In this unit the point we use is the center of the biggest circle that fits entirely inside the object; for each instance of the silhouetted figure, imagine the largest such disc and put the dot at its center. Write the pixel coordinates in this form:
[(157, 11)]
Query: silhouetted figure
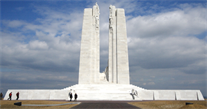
[(71, 96), (10, 95), (134, 93), (76, 96), (17, 94), (1, 96)]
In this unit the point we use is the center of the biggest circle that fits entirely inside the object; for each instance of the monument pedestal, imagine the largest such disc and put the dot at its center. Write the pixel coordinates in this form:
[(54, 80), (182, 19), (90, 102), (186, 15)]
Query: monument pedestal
[(106, 92)]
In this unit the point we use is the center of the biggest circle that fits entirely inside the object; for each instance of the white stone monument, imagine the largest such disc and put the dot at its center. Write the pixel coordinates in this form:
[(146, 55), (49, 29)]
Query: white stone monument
[(114, 83), (117, 71), (90, 48), (118, 64)]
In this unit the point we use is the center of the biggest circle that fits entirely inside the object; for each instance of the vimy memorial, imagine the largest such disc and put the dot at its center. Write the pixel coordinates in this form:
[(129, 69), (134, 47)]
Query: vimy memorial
[(114, 82)]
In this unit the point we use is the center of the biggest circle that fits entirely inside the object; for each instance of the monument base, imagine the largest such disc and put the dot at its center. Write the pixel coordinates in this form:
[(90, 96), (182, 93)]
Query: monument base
[(105, 92)]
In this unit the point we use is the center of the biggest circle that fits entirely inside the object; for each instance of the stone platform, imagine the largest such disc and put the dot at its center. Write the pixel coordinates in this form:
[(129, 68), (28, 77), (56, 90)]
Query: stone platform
[(105, 92)]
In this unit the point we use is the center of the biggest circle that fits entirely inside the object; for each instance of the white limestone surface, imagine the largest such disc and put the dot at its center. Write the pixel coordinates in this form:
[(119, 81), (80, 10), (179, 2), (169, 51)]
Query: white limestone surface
[(90, 48), (122, 48), (85, 51), (106, 92), (145, 95), (164, 94), (40, 94), (118, 63)]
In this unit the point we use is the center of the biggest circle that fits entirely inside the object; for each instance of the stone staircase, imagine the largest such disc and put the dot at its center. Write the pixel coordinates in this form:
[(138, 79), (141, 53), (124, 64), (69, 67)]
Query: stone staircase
[(103, 91)]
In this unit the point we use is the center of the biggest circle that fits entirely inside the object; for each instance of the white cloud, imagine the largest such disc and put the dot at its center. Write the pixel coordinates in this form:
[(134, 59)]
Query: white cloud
[(170, 52), (14, 23), (54, 45), (174, 23), (167, 40), (39, 45)]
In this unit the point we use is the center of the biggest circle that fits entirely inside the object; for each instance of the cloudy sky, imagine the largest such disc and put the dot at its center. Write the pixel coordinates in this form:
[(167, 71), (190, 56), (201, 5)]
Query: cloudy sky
[(40, 42)]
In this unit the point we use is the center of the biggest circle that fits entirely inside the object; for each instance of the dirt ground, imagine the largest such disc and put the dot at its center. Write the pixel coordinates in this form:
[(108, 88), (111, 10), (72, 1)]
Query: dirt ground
[(170, 104), (10, 104), (141, 104)]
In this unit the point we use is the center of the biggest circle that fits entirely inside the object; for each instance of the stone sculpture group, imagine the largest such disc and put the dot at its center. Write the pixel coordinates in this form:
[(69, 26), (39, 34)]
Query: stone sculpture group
[(114, 82)]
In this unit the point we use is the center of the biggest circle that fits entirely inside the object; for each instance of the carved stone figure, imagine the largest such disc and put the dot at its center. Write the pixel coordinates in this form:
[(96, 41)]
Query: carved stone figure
[(96, 15), (110, 16)]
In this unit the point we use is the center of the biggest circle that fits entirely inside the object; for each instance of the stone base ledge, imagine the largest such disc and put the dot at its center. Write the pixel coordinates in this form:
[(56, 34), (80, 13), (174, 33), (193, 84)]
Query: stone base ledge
[(105, 92)]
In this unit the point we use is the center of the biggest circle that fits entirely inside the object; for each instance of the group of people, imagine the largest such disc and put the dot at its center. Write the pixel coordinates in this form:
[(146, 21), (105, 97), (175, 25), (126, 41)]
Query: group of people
[(71, 96), (17, 94), (10, 96)]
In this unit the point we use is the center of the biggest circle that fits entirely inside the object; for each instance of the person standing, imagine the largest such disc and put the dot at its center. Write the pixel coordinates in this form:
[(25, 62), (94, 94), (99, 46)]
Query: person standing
[(10, 95), (71, 96), (1, 96), (76, 96), (17, 94)]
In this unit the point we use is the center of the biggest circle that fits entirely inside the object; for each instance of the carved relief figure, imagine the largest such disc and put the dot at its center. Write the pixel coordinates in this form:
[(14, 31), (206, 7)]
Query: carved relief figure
[(111, 20), (110, 16), (96, 15)]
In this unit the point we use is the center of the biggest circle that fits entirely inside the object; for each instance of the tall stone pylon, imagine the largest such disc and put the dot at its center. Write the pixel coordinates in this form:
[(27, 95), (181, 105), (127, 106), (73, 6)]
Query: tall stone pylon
[(89, 66), (117, 71), (118, 63)]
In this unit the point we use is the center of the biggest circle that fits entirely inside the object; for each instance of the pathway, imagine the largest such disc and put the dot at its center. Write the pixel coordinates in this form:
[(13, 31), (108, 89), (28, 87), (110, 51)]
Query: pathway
[(105, 105)]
